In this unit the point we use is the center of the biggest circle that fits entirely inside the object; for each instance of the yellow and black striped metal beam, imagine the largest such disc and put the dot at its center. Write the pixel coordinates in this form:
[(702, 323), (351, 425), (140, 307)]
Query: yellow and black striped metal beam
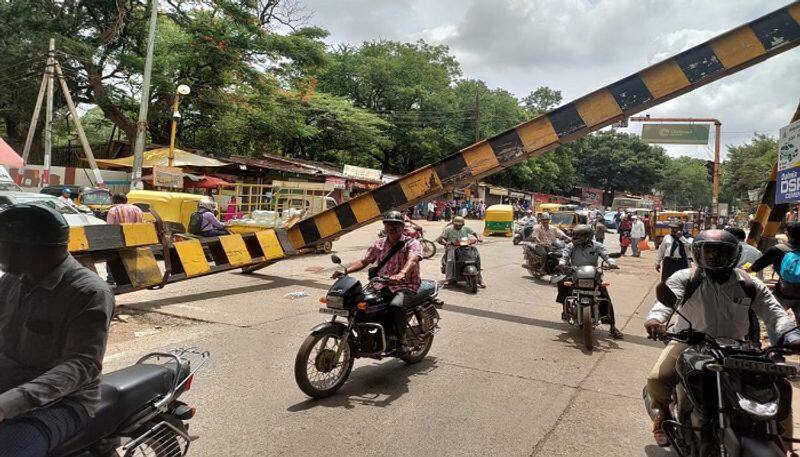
[(769, 215), (726, 54)]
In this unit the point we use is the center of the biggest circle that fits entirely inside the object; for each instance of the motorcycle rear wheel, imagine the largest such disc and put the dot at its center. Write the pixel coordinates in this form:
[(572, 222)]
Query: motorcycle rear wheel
[(428, 249), (418, 352), (301, 364), (587, 329)]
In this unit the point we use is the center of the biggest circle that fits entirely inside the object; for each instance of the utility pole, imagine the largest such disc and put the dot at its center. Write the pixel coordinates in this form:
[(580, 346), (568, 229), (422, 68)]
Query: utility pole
[(176, 115), (48, 115), (141, 125), (477, 114), (716, 170), (32, 128)]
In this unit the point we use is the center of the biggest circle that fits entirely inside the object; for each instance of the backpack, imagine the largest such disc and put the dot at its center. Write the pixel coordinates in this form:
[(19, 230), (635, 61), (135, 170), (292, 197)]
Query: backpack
[(790, 271), (195, 223)]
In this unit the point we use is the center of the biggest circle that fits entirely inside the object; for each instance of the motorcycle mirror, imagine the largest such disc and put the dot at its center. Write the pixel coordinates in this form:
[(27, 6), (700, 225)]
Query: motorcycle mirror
[(666, 296), (335, 259)]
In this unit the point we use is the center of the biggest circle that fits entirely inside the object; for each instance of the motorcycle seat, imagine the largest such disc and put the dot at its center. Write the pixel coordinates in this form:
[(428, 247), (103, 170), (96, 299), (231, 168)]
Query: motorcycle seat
[(122, 394)]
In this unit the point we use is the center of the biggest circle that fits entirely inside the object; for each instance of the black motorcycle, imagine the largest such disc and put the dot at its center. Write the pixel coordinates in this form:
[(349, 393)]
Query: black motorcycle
[(139, 411), (730, 397), (542, 259), (326, 357), (465, 267), (585, 303)]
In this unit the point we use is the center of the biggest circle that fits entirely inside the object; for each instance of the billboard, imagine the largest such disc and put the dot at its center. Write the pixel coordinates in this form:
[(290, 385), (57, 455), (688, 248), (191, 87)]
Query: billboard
[(787, 187), (675, 133), (364, 174)]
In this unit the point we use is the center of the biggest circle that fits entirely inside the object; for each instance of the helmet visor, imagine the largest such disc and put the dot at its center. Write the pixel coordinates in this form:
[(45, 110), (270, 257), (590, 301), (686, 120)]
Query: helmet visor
[(715, 256)]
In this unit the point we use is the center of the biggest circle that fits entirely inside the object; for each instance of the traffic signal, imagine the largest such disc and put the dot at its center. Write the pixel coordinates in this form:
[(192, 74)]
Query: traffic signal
[(710, 168)]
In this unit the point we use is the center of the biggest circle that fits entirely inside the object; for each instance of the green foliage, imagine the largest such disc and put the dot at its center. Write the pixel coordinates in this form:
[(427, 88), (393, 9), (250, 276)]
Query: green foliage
[(684, 184), (748, 167), (541, 100)]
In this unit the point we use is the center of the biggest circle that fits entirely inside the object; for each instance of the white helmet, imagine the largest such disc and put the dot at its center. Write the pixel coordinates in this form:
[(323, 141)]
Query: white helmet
[(544, 216), (208, 204)]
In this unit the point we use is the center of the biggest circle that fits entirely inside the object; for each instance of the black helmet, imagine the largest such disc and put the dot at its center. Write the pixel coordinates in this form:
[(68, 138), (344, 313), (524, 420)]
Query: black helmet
[(582, 234), (34, 225), (394, 217), (716, 250)]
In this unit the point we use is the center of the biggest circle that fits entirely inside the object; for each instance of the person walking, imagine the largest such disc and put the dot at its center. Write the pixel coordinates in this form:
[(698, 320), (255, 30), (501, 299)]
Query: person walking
[(624, 230), (637, 234), (674, 252), (600, 230), (123, 212)]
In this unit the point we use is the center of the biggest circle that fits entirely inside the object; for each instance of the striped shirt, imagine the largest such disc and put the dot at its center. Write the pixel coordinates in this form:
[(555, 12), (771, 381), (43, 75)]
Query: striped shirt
[(124, 213)]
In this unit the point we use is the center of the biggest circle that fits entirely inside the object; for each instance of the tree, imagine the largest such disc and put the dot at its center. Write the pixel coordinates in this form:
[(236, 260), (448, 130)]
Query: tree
[(616, 161), (684, 183), (541, 100), (748, 167)]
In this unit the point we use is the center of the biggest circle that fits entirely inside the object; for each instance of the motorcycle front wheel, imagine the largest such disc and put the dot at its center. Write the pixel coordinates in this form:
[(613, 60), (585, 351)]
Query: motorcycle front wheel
[(316, 372), (472, 284), (428, 249), (587, 329)]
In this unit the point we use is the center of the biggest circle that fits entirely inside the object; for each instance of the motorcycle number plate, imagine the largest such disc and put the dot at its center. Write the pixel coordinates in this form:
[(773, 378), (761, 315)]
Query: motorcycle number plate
[(761, 367), (335, 312)]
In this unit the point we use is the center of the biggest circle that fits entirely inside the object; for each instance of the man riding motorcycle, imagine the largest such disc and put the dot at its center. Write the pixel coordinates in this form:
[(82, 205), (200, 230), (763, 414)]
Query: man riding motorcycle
[(544, 234), (713, 297), (585, 251), (528, 219), (450, 235), (401, 267)]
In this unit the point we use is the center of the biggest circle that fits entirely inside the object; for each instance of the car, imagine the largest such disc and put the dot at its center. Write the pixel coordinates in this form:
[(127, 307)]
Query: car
[(74, 217), (608, 220)]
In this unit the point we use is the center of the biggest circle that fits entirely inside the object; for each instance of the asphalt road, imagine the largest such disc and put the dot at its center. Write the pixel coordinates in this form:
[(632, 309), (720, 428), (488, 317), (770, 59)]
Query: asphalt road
[(504, 377)]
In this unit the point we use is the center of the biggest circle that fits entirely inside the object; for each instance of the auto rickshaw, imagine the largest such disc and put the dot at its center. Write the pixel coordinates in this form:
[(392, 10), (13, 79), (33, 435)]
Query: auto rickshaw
[(660, 226), (693, 222), (96, 199), (174, 208), (548, 207), (499, 219), (567, 220)]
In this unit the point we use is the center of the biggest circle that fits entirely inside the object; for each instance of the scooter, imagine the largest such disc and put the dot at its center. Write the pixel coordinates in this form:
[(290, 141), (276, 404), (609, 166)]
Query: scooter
[(542, 259), (139, 411), (465, 265)]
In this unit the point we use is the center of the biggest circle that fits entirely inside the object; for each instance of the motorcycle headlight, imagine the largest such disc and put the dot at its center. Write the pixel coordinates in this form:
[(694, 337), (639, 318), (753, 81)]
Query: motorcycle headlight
[(586, 284), (586, 300), (335, 301), (759, 410)]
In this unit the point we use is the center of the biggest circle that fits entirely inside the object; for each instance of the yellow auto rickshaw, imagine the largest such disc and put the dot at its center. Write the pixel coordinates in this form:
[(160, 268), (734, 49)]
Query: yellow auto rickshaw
[(499, 219), (567, 220), (174, 208), (693, 222), (660, 225), (548, 207)]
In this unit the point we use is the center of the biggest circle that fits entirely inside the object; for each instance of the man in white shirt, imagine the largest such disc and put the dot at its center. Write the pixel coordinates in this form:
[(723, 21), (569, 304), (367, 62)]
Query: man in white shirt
[(637, 235), (717, 305), (674, 252)]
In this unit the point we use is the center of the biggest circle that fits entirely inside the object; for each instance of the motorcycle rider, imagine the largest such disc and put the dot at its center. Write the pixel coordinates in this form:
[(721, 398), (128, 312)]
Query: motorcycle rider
[(54, 318), (450, 235), (717, 305), (528, 219), (544, 234), (585, 251), (402, 269)]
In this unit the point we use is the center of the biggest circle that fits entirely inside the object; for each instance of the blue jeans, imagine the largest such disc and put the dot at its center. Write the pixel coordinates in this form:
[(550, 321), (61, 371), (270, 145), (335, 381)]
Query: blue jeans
[(787, 303), (37, 432)]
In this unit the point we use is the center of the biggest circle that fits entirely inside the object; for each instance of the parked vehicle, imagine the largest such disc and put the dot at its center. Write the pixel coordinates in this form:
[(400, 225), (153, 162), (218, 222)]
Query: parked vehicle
[(542, 259), (73, 216), (584, 303), (660, 226), (730, 396), (174, 208), (465, 268), (326, 357), (609, 221), (498, 219), (568, 220), (140, 412)]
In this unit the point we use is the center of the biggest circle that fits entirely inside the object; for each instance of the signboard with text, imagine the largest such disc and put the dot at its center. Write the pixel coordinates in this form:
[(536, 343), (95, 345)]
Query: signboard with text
[(787, 187), (170, 177), (675, 133)]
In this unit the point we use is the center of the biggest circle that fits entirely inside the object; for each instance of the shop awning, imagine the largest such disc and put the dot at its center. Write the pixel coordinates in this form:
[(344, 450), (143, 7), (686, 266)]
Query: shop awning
[(8, 156), (161, 157)]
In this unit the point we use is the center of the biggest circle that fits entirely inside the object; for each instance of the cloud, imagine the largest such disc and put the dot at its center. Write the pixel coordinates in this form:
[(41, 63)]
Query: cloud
[(577, 46)]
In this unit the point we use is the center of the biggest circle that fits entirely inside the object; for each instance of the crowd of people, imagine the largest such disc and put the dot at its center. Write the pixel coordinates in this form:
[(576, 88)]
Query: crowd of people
[(445, 210)]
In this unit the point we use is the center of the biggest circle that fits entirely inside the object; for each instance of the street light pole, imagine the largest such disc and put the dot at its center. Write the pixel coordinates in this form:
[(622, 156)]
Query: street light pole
[(141, 125), (716, 170), (182, 90)]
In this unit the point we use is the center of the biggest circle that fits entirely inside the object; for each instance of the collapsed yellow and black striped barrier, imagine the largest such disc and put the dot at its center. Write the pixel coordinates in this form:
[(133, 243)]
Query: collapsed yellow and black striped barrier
[(140, 256), (726, 54)]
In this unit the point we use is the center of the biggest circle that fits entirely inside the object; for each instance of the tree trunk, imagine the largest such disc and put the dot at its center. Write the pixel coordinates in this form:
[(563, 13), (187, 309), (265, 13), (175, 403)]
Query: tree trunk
[(110, 111)]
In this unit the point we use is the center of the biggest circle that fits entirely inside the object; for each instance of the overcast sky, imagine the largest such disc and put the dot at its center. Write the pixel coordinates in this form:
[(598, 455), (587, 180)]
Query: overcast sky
[(577, 46)]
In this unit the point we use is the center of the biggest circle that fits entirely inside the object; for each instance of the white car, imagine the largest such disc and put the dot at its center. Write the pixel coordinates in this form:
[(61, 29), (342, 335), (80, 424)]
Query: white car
[(74, 217)]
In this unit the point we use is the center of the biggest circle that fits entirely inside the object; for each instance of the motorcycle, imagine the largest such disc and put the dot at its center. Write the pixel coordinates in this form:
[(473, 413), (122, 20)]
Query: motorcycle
[(465, 266), (583, 304), (542, 259), (416, 232), (521, 233), (139, 411), (326, 357), (730, 396)]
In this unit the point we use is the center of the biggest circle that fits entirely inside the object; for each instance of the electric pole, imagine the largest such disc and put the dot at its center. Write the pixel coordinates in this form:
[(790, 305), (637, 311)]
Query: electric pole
[(141, 125), (477, 114), (48, 115), (716, 168)]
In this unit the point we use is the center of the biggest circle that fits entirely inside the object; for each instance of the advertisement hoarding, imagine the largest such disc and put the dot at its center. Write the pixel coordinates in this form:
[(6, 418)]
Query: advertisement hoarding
[(787, 187), (675, 133)]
